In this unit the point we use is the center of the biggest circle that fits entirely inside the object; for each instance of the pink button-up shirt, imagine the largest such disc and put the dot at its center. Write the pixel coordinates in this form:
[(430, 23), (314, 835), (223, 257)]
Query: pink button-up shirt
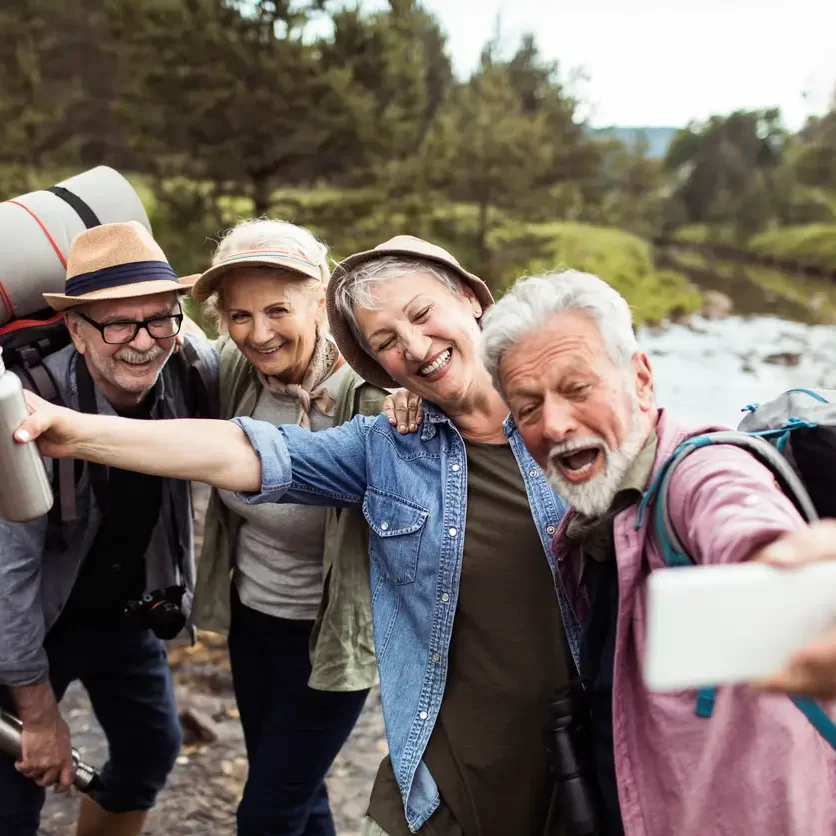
[(756, 767)]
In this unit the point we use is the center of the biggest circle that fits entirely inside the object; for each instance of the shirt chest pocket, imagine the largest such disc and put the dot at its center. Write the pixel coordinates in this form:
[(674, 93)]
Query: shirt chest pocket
[(395, 530)]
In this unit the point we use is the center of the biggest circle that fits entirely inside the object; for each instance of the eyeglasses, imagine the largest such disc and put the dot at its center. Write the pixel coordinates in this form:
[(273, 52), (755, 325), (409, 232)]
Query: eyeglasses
[(158, 328)]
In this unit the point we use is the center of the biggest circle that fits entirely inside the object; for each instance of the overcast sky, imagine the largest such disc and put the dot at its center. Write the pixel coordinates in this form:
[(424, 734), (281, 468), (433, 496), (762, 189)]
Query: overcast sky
[(663, 62)]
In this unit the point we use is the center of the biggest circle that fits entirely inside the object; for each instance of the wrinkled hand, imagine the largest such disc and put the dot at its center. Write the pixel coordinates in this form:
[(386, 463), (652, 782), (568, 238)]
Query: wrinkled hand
[(812, 670), (56, 428), (47, 755), (404, 411)]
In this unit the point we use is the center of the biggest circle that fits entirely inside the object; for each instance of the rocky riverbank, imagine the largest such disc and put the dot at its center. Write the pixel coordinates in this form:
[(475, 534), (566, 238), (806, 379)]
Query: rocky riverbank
[(706, 370)]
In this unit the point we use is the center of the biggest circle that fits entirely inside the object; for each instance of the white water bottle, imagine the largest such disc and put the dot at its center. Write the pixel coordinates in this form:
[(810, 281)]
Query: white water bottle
[(25, 492)]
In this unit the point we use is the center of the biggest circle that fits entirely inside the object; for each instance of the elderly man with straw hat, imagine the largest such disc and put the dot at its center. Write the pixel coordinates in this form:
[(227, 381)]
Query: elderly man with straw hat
[(88, 593)]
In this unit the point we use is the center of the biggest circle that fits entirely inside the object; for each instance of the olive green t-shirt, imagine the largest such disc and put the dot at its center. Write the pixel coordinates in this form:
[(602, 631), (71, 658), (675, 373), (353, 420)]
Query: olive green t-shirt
[(508, 656)]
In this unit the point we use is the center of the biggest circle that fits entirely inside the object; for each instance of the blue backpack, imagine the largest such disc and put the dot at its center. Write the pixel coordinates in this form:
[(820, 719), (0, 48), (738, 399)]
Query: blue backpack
[(793, 435)]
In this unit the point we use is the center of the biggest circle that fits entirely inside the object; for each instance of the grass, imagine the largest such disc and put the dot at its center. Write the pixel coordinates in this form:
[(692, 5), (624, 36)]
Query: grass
[(623, 260), (817, 297), (705, 234), (813, 244)]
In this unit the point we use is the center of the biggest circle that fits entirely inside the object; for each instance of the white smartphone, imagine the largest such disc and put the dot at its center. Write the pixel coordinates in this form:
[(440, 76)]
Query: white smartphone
[(729, 624)]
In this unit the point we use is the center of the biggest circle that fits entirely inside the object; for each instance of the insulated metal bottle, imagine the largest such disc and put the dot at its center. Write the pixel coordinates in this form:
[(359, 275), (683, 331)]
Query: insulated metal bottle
[(87, 778), (25, 492)]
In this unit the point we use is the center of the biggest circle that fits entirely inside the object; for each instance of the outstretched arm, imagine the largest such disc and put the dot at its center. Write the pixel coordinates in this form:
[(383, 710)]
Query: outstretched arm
[(215, 452), (257, 460)]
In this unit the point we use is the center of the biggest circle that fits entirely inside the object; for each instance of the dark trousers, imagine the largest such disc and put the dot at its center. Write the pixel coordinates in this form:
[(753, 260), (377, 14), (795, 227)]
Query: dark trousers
[(127, 677), (292, 732)]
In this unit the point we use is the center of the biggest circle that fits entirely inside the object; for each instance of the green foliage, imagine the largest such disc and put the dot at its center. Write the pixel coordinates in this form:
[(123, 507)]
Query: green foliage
[(725, 170), (226, 109)]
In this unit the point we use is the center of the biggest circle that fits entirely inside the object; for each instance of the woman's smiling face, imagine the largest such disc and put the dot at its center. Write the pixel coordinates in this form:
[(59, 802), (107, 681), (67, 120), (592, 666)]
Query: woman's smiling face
[(272, 317), (424, 336)]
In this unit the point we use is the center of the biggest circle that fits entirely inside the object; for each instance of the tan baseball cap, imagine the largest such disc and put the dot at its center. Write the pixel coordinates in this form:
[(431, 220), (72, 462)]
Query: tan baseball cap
[(407, 246), (208, 282)]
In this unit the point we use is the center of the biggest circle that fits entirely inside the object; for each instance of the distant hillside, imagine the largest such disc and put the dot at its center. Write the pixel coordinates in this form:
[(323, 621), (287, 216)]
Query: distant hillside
[(658, 138)]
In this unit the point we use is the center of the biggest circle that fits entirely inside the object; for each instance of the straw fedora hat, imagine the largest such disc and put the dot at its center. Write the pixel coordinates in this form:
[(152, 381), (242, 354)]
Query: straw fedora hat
[(407, 246), (115, 261)]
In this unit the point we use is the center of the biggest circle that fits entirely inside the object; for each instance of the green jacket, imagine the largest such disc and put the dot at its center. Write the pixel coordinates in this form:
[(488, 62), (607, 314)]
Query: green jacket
[(342, 646)]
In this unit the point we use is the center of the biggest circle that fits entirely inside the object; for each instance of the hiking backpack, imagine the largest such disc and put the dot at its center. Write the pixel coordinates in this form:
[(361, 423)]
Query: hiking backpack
[(27, 340), (794, 435)]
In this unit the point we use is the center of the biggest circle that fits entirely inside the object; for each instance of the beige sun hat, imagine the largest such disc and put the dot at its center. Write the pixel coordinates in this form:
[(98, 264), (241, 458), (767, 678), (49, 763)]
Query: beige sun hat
[(209, 281), (115, 261), (407, 246)]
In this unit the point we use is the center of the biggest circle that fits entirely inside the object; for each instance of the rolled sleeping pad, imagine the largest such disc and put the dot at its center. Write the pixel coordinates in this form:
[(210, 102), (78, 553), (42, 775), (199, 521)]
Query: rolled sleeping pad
[(36, 231)]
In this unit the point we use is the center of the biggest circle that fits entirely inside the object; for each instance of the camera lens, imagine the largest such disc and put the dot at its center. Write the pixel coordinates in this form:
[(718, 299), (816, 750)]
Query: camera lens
[(166, 620)]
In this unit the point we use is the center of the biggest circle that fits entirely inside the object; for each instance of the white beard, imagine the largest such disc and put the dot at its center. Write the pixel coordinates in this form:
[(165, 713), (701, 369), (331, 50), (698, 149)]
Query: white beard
[(593, 498)]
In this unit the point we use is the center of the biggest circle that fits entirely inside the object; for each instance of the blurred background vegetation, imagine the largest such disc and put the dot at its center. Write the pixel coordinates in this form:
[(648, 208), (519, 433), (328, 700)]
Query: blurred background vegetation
[(223, 109)]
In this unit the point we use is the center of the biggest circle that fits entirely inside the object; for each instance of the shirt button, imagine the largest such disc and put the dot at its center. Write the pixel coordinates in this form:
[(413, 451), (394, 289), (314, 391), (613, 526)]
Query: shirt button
[(455, 468), (445, 597), (451, 532), (532, 473), (436, 657), (423, 715), (750, 500), (551, 529), (384, 526)]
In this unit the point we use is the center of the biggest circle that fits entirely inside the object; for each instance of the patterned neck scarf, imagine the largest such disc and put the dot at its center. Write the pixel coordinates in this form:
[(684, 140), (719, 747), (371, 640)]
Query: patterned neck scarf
[(325, 361)]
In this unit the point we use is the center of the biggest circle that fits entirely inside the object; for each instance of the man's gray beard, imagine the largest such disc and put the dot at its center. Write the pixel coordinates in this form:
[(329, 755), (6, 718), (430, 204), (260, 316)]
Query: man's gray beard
[(593, 498)]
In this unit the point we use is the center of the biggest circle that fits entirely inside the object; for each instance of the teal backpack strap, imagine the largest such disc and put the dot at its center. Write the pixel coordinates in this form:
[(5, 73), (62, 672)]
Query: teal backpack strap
[(675, 554), (820, 721)]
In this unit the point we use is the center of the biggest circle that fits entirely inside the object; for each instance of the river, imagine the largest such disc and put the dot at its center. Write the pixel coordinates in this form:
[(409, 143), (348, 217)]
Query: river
[(708, 370)]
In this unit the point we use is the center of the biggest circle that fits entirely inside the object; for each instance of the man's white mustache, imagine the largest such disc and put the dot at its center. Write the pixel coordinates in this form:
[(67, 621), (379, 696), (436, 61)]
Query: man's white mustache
[(131, 355)]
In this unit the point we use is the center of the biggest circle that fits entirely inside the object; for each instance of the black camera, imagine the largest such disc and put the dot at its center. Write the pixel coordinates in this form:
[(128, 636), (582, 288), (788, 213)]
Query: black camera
[(568, 744), (159, 611)]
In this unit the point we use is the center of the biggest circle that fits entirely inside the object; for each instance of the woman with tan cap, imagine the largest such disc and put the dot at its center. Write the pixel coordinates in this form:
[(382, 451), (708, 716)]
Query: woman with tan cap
[(468, 623), (260, 573)]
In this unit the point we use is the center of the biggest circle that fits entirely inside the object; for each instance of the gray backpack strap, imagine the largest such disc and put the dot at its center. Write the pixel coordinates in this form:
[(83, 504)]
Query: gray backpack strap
[(760, 448)]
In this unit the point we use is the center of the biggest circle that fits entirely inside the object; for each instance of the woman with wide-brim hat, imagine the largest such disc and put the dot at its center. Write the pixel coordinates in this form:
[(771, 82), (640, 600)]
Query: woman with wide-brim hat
[(468, 623)]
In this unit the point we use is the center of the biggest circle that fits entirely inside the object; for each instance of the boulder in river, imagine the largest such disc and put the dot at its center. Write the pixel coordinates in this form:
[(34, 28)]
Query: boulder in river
[(716, 305), (783, 358)]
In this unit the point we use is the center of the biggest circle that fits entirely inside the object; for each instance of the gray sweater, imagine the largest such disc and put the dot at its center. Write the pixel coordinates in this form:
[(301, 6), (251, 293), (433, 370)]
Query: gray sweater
[(279, 549)]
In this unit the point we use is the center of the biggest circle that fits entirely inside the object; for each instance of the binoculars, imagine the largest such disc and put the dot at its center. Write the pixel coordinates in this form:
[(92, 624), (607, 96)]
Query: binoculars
[(567, 745)]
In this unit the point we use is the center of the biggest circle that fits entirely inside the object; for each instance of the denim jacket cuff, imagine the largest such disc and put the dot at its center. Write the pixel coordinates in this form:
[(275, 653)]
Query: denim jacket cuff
[(269, 444)]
